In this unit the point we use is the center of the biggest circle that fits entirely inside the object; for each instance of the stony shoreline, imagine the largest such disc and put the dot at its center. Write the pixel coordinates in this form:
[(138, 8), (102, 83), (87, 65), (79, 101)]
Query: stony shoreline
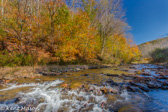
[(58, 70), (11, 73)]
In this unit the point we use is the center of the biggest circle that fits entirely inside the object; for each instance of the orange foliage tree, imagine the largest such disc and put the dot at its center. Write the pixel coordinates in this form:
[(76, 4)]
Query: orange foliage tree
[(69, 32)]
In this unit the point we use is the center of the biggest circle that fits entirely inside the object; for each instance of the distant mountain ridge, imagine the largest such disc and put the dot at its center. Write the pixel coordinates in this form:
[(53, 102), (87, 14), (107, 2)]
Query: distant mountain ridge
[(149, 47)]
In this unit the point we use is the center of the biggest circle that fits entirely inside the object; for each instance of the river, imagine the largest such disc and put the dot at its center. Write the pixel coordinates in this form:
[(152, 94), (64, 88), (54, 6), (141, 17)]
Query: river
[(131, 88)]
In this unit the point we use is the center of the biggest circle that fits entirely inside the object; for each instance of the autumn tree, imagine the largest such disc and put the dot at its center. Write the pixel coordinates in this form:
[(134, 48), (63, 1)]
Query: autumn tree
[(109, 20), (65, 31)]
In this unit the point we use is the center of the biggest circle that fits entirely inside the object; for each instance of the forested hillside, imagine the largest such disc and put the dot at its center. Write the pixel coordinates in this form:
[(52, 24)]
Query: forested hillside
[(58, 31), (148, 47), (156, 49)]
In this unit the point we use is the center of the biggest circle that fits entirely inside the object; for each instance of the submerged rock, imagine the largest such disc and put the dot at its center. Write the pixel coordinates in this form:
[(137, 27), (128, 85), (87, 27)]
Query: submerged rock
[(154, 84), (85, 75), (142, 86), (145, 73), (92, 100), (129, 76), (164, 87), (114, 90), (125, 70), (87, 108), (49, 73), (17, 100), (111, 82), (113, 75), (104, 90), (132, 67), (162, 77), (76, 85), (133, 89), (129, 108)]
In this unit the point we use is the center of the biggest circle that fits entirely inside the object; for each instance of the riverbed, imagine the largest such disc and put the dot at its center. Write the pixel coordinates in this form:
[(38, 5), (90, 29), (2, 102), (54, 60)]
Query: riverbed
[(131, 88)]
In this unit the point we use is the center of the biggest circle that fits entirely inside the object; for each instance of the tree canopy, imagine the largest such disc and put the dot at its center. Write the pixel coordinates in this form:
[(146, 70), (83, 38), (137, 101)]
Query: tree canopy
[(57, 31)]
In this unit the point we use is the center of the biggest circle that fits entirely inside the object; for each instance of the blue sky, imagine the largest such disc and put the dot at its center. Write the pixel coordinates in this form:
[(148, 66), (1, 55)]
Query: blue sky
[(147, 18)]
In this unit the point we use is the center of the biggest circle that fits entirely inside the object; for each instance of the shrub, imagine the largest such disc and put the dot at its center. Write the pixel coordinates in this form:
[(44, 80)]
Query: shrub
[(160, 55), (10, 59)]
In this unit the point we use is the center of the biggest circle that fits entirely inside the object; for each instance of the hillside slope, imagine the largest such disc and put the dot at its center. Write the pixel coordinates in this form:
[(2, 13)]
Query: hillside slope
[(150, 47)]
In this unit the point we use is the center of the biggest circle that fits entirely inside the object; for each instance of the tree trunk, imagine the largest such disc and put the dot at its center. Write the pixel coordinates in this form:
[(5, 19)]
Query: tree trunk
[(102, 48), (2, 9)]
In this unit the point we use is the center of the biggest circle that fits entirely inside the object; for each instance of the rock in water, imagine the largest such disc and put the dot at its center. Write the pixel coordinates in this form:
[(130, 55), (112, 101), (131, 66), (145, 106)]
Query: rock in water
[(113, 75), (154, 84), (165, 87), (129, 109), (133, 89), (142, 86)]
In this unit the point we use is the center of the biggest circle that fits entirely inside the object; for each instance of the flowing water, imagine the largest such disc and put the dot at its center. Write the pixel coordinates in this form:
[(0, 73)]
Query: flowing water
[(84, 92)]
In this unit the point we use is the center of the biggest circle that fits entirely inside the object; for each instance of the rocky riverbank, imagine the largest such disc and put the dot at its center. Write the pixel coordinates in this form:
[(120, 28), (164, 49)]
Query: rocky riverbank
[(8, 74)]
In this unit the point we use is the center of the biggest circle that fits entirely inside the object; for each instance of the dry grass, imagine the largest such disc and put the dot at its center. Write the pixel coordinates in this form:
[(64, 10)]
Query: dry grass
[(28, 72), (17, 72)]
